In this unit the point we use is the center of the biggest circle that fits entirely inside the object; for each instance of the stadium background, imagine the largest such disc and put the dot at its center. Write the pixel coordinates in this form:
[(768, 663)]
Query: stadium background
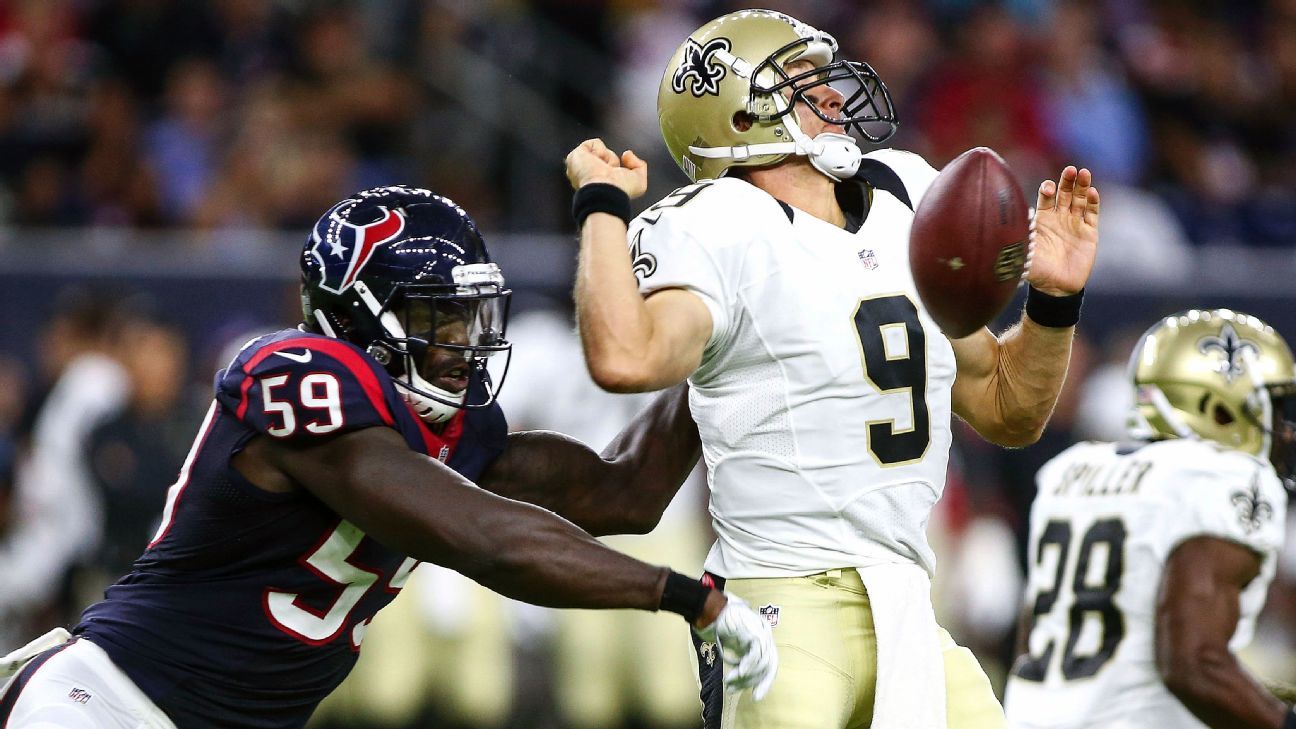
[(160, 161)]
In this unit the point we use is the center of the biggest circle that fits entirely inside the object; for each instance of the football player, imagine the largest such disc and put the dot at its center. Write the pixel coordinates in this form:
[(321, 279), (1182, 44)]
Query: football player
[(334, 458), (1150, 559), (778, 285)]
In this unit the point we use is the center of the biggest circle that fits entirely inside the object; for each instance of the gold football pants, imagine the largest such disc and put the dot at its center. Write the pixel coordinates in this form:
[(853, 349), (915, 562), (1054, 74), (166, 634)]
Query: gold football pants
[(828, 662)]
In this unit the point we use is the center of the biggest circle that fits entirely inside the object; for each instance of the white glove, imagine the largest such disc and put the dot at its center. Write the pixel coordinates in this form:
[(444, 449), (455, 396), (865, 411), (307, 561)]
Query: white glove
[(745, 642)]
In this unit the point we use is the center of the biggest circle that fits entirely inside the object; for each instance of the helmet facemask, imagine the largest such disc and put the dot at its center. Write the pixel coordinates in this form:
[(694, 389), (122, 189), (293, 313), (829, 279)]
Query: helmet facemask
[(866, 107), (1281, 430), (437, 339)]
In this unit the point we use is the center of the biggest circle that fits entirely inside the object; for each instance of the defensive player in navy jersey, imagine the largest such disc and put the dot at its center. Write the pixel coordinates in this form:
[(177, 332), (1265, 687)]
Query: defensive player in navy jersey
[(334, 458)]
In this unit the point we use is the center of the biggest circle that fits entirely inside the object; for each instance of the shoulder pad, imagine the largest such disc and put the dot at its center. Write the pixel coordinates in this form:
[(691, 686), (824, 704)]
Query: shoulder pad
[(708, 199), (299, 385), (912, 170)]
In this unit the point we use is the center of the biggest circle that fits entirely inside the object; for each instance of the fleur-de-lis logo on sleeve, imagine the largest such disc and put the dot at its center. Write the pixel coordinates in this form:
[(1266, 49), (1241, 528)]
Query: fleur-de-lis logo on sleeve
[(642, 263), (1252, 510)]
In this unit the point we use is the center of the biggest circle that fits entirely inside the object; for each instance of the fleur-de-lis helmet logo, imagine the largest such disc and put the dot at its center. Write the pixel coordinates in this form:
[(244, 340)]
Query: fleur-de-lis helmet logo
[(1232, 347), (701, 67)]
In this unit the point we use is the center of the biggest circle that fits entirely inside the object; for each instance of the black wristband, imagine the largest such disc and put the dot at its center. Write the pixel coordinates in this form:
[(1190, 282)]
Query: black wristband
[(1053, 311), (1289, 722), (684, 595), (600, 197)]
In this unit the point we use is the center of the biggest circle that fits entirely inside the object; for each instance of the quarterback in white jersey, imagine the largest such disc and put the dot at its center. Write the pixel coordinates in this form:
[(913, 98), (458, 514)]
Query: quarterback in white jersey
[(1150, 560), (778, 285), (812, 325)]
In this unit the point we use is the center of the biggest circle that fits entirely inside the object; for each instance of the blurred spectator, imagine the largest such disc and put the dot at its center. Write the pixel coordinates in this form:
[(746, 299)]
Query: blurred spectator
[(13, 398), (1095, 116), (116, 187), (900, 42), (134, 455), (182, 146), (1106, 394), (987, 93), (1142, 240), (59, 517)]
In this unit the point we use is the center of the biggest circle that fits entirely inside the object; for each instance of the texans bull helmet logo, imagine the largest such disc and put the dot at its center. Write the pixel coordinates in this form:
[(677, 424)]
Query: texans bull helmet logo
[(343, 248)]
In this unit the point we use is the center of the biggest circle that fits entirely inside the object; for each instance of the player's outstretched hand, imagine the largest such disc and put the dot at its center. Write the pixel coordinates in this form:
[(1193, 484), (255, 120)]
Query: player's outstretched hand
[(1065, 232), (746, 644), (592, 161)]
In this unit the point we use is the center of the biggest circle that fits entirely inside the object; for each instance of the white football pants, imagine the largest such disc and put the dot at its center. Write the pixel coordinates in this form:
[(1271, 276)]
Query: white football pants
[(81, 688)]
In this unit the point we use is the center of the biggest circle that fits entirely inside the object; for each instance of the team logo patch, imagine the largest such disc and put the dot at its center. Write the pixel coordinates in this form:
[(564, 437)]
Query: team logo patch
[(642, 263), (700, 68), (770, 613), (80, 696), (1252, 510), (1232, 347), (869, 259), (343, 248), (708, 653)]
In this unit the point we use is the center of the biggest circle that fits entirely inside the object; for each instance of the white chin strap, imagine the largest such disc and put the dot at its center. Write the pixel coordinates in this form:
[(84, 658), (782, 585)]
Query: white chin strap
[(429, 410), (836, 155)]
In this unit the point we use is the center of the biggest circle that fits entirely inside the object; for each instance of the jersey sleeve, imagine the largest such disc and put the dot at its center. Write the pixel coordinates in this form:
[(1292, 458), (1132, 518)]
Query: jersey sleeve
[(1230, 497), (305, 388), (673, 246)]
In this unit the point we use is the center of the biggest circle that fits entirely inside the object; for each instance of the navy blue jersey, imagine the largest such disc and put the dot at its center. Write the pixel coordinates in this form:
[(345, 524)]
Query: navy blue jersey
[(248, 607)]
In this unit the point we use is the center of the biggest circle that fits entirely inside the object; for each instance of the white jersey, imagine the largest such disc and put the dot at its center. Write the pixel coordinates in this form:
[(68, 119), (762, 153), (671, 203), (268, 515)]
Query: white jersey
[(823, 395), (1104, 521)]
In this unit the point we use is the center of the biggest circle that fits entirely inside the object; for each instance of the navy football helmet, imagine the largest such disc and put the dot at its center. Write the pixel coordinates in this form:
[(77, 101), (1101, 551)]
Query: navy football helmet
[(402, 273)]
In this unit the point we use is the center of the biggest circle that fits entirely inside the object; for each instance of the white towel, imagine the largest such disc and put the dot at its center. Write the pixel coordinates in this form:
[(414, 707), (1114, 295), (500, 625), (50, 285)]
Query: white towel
[(910, 690), (12, 663)]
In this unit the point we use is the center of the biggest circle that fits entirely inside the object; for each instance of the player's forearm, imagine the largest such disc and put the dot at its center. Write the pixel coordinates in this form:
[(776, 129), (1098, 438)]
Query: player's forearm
[(616, 327), (623, 491), (653, 456), (544, 560), (1030, 370), (1215, 688), (516, 549), (602, 495)]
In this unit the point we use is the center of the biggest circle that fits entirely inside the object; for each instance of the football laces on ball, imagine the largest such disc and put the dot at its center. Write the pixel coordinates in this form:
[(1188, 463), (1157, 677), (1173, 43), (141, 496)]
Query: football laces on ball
[(1030, 242)]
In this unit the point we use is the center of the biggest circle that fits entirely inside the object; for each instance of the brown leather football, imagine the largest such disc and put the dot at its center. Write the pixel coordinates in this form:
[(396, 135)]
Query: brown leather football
[(969, 242)]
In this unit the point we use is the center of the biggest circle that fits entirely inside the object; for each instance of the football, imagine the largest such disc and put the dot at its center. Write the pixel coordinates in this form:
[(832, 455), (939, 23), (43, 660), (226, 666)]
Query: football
[(969, 242)]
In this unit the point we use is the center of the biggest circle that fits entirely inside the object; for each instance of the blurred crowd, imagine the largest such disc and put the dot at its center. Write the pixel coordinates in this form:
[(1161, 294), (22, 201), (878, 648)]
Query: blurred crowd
[(253, 113), (232, 115)]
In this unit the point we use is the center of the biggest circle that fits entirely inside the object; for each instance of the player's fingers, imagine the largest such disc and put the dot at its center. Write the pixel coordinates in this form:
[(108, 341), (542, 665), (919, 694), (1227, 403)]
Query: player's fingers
[(764, 686), (1080, 192), (1092, 204), (601, 151), (1047, 197), (631, 161), (739, 677), (1066, 186)]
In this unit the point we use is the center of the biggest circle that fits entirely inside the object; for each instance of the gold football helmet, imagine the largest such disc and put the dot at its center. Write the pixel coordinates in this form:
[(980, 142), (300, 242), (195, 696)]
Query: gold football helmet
[(725, 99), (1218, 375)]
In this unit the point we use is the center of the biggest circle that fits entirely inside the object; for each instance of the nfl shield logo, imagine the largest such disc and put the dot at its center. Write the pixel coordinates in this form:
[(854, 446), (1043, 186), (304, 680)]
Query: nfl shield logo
[(770, 613), (868, 259)]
